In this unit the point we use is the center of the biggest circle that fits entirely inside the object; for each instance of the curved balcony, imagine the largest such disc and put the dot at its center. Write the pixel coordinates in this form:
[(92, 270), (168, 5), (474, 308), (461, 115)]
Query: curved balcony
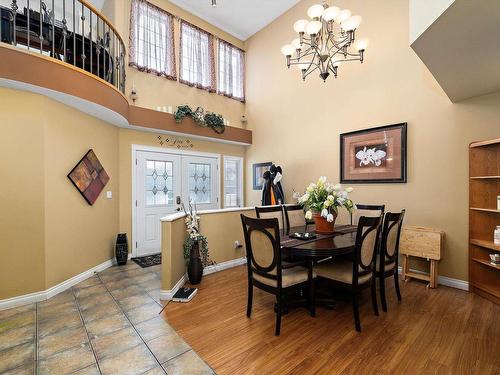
[(71, 31)]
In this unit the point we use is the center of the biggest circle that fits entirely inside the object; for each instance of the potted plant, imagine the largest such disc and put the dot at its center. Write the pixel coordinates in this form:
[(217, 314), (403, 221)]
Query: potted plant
[(322, 201), (195, 247)]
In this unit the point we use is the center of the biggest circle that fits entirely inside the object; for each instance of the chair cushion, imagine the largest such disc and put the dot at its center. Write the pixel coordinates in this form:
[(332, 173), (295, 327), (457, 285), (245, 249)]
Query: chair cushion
[(387, 267), (340, 270), (290, 276)]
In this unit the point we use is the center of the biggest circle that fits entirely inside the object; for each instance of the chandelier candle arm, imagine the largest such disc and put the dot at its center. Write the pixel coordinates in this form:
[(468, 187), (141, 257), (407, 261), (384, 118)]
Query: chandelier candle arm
[(325, 41)]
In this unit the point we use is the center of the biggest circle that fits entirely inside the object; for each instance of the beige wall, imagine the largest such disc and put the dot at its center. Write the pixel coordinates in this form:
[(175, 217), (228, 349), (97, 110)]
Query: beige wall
[(297, 124), (155, 91)]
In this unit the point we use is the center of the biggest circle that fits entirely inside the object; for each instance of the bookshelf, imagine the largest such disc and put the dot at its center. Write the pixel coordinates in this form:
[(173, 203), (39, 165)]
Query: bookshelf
[(484, 187)]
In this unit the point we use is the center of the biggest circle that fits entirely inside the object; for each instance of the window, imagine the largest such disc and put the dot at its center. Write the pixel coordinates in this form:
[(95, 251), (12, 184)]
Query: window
[(152, 39), (231, 71), (197, 57), (233, 181)]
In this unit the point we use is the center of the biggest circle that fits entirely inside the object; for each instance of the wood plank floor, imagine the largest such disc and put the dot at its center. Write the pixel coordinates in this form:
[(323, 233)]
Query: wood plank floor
[(442, 331)]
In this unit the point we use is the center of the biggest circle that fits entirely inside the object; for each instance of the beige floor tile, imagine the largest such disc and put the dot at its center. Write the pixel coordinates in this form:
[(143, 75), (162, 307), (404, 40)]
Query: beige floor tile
[(62, 297), (67, 361), (17, 320), (58, 323), (114, 276), (115, 342), (91, 281), (145, 277), (155, 371), (155, 294), (97, 299), (60, 341), (153, 328), (91, 370), (138, 360), (156, 268), (45, 312), (130, 266), (144, 312), (151, 284), (100, 311), (90, 291), (188, 363), (17, 356), (17, 336), (107, 325), (119, 283), (27, 369), (135, 301), (168, 346), (7, 314), (129, 291)]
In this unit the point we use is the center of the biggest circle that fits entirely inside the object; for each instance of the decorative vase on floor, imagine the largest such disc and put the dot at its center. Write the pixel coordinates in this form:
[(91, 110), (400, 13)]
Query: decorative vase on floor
[(195, 267), (322, 225), (121, 249)]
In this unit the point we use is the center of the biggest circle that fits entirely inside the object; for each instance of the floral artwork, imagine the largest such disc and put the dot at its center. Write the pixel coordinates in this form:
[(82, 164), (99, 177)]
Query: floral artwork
[(375, 155)]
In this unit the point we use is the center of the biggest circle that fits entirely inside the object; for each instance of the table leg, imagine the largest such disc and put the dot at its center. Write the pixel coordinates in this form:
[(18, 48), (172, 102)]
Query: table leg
[(312, 309)]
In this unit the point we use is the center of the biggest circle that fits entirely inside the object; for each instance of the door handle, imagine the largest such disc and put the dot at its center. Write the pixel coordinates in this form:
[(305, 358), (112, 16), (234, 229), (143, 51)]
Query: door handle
[(178, 208)]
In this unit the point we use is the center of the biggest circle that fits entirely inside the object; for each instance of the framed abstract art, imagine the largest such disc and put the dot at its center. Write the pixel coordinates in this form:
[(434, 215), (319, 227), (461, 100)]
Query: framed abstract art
[(89, 177), (376, 155)]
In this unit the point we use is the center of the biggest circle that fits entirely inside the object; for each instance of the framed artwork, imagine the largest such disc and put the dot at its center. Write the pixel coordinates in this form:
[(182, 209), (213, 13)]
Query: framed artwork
[(258, 171), (89, 177), (376, 155)]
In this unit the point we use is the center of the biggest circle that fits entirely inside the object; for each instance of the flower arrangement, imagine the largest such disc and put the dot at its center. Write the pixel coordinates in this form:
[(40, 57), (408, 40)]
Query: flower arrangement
[(194, 236), (324, 198), (205, 119)]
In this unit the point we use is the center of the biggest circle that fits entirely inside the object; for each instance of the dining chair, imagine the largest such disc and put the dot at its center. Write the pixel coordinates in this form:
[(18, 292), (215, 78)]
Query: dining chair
[(387, 259), (268, 212), (265, 268), (369, 210), (294, 216), (359, 273)]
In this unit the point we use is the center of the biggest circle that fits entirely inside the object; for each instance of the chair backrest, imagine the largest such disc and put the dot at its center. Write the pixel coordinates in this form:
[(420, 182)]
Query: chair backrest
[(262, 240), (368, 210), (269, 212), (391, 232), (367, 241), (294, 216)]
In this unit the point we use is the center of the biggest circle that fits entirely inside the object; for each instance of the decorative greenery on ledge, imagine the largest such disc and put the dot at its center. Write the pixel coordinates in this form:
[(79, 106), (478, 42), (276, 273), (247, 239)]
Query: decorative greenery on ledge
[(202, 118)]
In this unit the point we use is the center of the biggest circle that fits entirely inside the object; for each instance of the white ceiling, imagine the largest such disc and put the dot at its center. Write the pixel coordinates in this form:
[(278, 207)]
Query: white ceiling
[(240, 18)]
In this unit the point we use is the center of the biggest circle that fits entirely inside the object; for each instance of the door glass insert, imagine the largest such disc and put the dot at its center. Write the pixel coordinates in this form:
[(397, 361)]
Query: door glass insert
[(200, 183), (159, 183)]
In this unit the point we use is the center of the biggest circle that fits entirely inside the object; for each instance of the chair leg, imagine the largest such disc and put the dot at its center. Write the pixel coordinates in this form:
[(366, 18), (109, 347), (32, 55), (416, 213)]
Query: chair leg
[(396, 284), (250, 299), (278, 315), (374, 296), (355, 311), (382, 292)]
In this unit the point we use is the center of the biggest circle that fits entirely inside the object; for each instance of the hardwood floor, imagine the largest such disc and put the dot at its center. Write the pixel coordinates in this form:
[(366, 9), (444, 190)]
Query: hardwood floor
[(440, 331)]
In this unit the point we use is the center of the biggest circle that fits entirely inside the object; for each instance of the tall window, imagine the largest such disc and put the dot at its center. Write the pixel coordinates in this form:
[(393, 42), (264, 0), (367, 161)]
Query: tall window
[(233, 181), (197, 64), (231, 71), (152, 39)]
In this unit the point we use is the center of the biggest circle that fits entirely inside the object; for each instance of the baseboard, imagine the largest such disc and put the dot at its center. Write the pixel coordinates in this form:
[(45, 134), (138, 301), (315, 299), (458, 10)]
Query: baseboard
[(446, 281), (166, 295), (56, 289)]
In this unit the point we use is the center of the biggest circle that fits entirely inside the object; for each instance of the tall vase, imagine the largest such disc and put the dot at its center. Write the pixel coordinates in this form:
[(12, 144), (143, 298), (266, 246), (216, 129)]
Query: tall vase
[(322, 225), (195, 266), (121, 249)]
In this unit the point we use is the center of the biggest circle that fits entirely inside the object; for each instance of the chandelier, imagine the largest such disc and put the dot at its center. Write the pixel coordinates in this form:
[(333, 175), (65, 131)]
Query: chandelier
[(325, 41)]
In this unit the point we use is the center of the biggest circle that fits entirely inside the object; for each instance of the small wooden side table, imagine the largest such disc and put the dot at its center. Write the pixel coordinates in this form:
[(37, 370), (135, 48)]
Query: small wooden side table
[(424, 243)]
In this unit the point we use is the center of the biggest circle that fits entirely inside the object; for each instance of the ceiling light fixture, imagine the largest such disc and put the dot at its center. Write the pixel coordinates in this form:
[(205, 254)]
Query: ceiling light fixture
[(325, 41)]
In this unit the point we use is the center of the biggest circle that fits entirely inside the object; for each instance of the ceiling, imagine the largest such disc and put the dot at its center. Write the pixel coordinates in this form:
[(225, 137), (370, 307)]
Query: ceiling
[(240, 18)]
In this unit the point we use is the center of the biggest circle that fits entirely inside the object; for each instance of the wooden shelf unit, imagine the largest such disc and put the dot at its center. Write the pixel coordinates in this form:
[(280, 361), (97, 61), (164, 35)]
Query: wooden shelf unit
[(484, 187)]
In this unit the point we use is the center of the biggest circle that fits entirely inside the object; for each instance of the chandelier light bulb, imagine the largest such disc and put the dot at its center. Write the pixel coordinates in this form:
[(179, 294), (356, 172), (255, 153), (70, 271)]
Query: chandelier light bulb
[(313, 27), (361, 44), (287, 50), (300, 26), (315, 11), (352, 23), (343, 15), (296, 43), (330, 13), (303, 66)]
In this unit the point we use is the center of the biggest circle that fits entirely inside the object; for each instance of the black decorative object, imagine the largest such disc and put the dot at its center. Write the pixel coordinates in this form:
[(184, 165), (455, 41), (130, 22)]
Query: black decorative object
[(121, 249), (195, 266), (148, 260), (258, 174)]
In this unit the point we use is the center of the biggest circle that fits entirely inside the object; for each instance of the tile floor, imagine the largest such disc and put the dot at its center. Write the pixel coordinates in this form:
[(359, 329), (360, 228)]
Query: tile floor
[(107, 324)]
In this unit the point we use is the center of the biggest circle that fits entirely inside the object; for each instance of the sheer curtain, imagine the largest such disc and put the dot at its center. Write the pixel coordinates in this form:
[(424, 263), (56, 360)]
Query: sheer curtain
[(231, 71), (152, 39), (197, 63)]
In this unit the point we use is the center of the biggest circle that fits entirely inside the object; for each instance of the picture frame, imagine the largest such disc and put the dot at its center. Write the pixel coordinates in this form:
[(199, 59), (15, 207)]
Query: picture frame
[(258, 171), (375, 155)]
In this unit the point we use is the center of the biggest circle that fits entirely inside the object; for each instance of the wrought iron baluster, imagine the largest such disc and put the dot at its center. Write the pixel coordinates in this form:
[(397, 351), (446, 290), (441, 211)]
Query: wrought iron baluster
[(74, 33), (65, 30), (13, 16), (28, 6), (104, 50), (82, 17), (123, 75), (98, 47), (91, 41), (41, 26), (53, 30)]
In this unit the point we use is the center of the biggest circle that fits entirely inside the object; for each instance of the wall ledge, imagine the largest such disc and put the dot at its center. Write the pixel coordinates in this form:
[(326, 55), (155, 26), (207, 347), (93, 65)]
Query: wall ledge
[(180, 215)]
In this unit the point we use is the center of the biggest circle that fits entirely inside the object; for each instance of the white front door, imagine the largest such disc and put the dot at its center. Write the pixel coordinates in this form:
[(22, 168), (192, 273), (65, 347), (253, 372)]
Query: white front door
[(162, 181), (158, 184)]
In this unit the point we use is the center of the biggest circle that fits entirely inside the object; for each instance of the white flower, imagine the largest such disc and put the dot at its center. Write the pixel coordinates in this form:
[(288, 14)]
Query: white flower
[(327, 203), (309, 215), (349, 189), (296, 195), (321, 180), (304, 198), (329, 218), (329, 187), (324, 212), (311, 188), (337, 187)]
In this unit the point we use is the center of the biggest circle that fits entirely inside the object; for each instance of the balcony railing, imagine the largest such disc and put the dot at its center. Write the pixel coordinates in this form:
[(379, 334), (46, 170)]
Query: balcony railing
[(72, 31)]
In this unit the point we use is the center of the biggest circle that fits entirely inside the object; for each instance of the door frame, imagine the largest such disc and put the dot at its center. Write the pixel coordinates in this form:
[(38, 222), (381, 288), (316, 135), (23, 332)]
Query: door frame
[(138, 148)]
